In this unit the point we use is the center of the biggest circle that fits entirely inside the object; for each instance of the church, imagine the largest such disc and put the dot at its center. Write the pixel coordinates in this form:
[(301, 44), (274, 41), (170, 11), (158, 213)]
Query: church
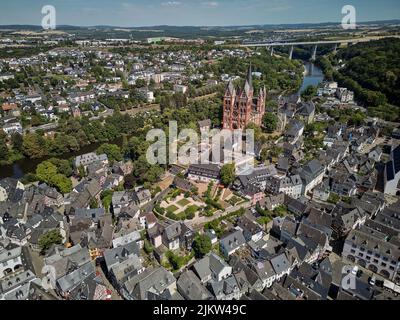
[(241, 107)]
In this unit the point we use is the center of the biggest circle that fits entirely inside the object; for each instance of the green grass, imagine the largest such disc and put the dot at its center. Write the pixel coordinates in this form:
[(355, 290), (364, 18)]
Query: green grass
[(235, 200), (172, 208), (184, 202)]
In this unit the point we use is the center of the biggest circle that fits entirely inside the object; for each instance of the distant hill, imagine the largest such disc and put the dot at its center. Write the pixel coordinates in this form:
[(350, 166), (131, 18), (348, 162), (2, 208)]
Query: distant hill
[(167, 28)]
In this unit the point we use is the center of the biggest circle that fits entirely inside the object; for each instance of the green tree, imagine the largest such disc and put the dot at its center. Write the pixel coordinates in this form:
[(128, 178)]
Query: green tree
[(62, 183), (48, 239), (112, 151), (270, 122), (148, 248), (228, 174), (34, 145), (3, 146), (94, 203), (309, 93), (63, 166), (82, 171), (106, 198), (17, 142), (201, 245), (45, 171)]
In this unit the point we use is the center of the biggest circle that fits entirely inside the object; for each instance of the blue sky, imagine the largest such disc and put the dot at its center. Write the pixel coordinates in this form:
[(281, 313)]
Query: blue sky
[(131, 13)]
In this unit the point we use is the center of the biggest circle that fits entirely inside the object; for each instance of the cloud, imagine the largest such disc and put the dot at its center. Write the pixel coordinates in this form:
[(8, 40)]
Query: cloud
[(210, 4), (171, 3)]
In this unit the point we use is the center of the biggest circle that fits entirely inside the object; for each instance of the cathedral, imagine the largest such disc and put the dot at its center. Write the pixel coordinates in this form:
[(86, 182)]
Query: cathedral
[(241, 107)]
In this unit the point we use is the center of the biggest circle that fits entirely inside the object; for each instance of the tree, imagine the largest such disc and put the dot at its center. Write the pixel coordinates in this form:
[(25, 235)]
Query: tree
[(148, 248), (63, 166), (62, 183), (258, 134), (228, 174), (201, 245), (176, 261), (34, 145), (112, 151), (3, 146), (309, 93), (82, 171), (190, 212), (45, 171), (106, 198), (17, 142), (94, 203), (48, 239), (270, 122)]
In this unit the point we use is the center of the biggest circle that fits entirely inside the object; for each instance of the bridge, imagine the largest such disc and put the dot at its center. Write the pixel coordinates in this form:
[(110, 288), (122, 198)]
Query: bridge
[(314, 44)]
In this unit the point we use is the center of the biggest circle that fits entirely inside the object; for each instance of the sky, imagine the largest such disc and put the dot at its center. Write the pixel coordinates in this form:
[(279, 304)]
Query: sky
[(134, 13)]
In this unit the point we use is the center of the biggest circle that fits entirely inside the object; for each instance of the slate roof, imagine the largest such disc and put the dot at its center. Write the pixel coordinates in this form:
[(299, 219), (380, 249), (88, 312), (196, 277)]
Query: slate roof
[(116, 255), (280, 263), (190, 287), (155, 280), (233, 240)]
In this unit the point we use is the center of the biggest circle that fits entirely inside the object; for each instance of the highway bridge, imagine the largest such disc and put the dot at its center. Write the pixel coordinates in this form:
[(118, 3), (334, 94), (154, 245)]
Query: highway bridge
[(314, 44)]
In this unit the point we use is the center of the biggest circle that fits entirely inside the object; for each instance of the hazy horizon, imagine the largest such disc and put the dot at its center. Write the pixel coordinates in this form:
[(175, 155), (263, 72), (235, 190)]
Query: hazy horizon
[(218, 13)]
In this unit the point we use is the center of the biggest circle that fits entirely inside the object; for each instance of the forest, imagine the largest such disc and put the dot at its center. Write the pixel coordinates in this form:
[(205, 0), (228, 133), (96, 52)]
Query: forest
[(372, 71)]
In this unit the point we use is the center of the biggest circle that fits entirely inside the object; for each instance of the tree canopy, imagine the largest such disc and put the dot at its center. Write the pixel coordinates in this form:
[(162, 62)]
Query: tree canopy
[(228, 174), (201, 245), (48, 239)]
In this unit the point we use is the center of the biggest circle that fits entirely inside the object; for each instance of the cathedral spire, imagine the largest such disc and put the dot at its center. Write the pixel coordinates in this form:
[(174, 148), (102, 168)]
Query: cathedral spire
[(250, 76), (248, 87)]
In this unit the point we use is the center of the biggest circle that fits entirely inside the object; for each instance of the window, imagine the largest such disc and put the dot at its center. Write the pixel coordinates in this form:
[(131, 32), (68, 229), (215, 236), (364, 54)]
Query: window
[(383, 264), (353, 251), (391, 268), (368, 257), (360, 254), (376, 260)]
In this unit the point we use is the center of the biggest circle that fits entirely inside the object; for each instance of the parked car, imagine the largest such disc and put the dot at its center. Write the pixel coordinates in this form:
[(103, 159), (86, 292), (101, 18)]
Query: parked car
[(354, 270), (372, 280)]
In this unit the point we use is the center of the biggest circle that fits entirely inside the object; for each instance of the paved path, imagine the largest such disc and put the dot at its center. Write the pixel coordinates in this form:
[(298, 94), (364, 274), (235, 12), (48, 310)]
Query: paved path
[(197, 223)]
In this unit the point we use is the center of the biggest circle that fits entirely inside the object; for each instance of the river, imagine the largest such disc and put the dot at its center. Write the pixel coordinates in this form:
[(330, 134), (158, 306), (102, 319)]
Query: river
[(21, 167), (313, 76)]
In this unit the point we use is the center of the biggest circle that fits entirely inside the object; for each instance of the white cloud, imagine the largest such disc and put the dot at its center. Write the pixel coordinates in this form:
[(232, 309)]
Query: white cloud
[(171, 3), (210, 4)]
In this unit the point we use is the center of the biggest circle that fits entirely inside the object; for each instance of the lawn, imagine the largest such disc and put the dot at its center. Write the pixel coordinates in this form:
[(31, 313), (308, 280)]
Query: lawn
[(235, 200), (172, 209), (183, 202)]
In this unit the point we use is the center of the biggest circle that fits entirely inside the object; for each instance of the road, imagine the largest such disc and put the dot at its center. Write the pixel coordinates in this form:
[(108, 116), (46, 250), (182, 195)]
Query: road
[(152, 107), (150, 206)]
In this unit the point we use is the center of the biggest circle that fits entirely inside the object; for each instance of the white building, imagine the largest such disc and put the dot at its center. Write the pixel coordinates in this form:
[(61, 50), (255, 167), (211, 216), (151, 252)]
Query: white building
[(180, 88), (10, 128), (10, 261)]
